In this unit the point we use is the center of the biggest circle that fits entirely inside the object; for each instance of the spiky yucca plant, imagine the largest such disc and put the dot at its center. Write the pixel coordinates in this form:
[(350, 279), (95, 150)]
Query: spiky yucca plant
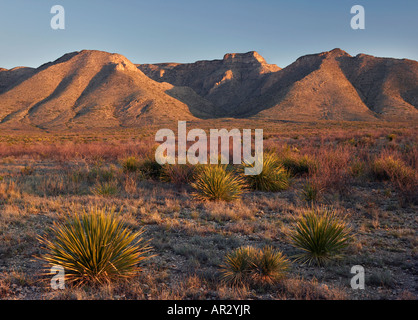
[(95, 247), (311, 191), (321, 234), (238, 264), (214, 182), (270, 266), (249, 264), (274, 177)]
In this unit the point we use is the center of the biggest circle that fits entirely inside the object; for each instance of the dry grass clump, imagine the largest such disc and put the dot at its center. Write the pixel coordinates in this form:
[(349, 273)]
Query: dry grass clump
[(402, 176), (227, 211), (130, 164), (387, 167), (54, 186), (9, 190), (105, 189), (302, 289), (95, 247), (298, 164)]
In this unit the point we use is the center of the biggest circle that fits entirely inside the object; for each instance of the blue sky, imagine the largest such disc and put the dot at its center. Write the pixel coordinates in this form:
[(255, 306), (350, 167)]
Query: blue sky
[(190, 30)]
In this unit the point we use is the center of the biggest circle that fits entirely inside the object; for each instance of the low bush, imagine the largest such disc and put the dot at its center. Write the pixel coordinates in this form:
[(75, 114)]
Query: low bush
[(403, 177), (298, 165), (150, 169), (130, 164), (179, 174)]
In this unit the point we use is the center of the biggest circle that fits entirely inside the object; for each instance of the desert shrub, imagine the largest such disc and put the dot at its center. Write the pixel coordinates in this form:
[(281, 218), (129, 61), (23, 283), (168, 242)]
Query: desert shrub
[(298, 165), (98, 173), (391, 137), (178, 173), (252, 265), (274, 177), (105, 189), (130, 164), (78, 176), (387, 167), (150, 168), (402, 176), (59, 184), (95, 247), (333, 169), (214, 182), (321, 234), (27, 170), (357, 168)]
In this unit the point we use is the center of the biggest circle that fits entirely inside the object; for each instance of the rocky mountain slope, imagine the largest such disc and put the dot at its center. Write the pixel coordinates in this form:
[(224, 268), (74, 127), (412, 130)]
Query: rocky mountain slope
[(226, 83), (99, 89), (330, 85), (88, 89)]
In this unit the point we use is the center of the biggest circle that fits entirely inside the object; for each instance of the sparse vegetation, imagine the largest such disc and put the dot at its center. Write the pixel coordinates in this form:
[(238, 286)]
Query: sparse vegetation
[(192, 236)]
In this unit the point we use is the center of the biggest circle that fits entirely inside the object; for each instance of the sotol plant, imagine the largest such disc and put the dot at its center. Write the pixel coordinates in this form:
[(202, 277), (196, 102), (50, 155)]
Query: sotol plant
[(274, 177), (95, 247), (249, 264), (311, 190), (214, 182), (321, 234)]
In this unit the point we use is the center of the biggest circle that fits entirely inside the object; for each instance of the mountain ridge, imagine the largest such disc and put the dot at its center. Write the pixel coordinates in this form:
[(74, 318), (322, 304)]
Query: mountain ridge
[(91, 88)]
